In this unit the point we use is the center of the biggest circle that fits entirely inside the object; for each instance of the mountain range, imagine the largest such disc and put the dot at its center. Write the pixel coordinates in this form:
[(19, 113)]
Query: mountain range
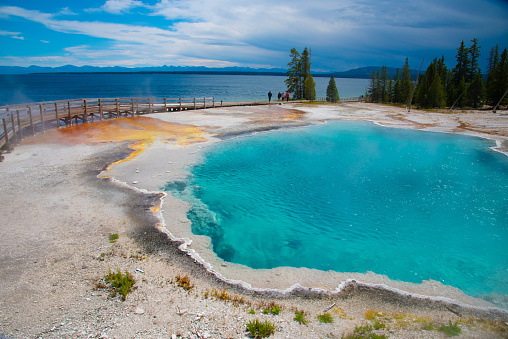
[(360, 73)]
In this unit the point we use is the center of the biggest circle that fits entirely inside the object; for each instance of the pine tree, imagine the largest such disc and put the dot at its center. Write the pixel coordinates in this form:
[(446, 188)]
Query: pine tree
[(383, 84), (493, 58), (406, 84), (422, 90), (389, 90), (436, 95), (332, 95), (294, 73), (474, 55), (373, 89), (309, 88), (397, 94), (462, 69), (476, 91), (304, 71)]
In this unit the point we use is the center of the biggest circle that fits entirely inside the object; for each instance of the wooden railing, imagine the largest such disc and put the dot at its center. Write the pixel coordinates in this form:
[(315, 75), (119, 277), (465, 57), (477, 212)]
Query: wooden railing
[(18, 121)]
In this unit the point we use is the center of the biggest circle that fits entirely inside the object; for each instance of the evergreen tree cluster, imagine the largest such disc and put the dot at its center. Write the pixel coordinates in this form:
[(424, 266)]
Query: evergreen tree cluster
[(299, 80), (439, 87)]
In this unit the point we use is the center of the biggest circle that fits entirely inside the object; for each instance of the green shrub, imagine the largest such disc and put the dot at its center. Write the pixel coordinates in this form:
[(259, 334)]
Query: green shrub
[(272, 309), (251, 311), (364, 332), (275, 310), (450, 330), (113, 237), (325, 318), (184, 282), (378, 325), (259, 329), (120, 283), (300, 317)]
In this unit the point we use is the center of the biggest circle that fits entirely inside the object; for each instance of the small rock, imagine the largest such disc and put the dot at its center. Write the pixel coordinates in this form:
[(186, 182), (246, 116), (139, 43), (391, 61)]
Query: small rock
[(137, 171), (135, 182), (173, 336), (140, 270), (139, 310)]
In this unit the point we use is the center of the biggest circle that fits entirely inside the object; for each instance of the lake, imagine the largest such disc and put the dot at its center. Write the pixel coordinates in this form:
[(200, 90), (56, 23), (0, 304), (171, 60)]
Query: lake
[(24, 88)]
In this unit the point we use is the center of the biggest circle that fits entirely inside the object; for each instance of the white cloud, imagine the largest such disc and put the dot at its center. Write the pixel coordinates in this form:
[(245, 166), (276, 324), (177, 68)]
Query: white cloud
[(66, 11), (121, 6), (14, 35)]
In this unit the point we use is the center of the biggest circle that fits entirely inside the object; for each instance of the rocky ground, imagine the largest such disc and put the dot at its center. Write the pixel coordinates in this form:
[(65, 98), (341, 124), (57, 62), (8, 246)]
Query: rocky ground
[(57, 216)]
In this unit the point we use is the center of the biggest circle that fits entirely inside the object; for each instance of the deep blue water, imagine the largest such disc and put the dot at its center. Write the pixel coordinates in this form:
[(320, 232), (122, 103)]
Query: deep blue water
[(24, 88), (357, 197)]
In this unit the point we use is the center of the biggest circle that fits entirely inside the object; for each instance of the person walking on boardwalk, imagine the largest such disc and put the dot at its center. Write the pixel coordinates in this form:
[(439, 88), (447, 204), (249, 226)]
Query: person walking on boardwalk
[(269, 97), (287, 97)]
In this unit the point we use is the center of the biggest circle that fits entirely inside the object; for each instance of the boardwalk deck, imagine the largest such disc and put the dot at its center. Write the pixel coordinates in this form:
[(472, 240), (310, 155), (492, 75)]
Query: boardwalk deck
[(18, 121)]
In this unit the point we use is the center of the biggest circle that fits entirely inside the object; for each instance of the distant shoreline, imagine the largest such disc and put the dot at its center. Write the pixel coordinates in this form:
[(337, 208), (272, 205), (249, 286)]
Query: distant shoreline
[(320, 75)]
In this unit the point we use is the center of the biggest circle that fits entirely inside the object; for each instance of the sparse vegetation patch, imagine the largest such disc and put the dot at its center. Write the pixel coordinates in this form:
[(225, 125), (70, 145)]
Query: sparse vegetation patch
[(258, 329), (325, 318), (120, 283)]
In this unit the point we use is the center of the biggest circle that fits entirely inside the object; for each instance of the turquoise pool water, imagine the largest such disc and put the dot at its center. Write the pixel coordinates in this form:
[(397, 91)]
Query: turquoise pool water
[(357, 197)]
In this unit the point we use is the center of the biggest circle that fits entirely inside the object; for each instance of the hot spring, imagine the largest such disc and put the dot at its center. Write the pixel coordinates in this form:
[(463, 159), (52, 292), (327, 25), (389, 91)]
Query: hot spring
[(357, 197)]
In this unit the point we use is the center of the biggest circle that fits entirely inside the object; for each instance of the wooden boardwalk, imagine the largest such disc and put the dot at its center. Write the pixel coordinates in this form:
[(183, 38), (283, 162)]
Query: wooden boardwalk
[(19, 121)]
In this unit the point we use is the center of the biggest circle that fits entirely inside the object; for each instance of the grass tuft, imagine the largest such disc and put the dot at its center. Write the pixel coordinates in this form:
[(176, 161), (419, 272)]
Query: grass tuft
[(120, 283), (364, 332), (113, 237), (184, 282), (258, 329), (325, 318), (450, 330), (300, 317)]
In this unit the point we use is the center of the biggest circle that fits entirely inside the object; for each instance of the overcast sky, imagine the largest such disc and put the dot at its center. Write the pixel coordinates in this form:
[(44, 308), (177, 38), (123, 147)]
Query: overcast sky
[(343, 34)]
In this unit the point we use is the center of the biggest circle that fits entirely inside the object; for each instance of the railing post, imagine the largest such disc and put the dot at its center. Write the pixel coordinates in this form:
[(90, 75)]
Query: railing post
[(180, 99), (5, 131), (165, 105), (100, 109), (19, 126), (132, 104), (150, 105), (13, 126), (56, 114), (204, 102), (213, 101), (31, 120), (117, 108), (86, 111), (194, 103), (42, 118), (69, 109)]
